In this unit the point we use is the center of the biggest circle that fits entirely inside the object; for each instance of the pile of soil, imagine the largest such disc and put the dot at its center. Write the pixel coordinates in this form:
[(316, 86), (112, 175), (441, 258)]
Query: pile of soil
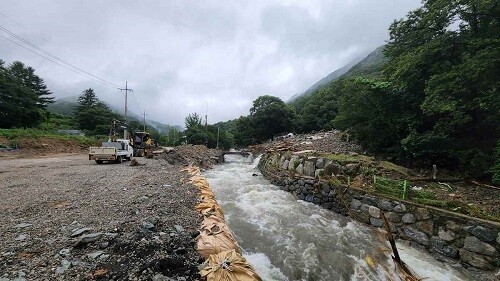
[(32, 147), (194, 155)]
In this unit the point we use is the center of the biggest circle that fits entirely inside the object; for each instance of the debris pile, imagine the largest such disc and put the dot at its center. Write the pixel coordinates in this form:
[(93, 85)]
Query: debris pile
[(194, 155)]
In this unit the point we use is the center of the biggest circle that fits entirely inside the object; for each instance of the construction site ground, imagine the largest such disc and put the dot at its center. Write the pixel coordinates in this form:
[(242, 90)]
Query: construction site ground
[(63, 217)]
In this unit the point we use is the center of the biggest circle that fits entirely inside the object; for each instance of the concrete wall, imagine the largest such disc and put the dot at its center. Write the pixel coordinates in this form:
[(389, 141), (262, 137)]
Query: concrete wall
[(473, 241)]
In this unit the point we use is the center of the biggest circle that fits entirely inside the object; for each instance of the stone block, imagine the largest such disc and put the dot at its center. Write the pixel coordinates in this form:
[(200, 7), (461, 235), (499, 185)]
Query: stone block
[(483, 233), (422, 214), (443, 248), (400, 208), (476, 260), (294, 161), (320, 163), (309, 168), (376, 222), (451, 225), (332, 193), (393, 217), (475, 245), (417, 236), (355, 204), (327, 205), (300, 169), (385, 205), (370, 200), (374, 212), (362, 216), (311, 182), (309, 198), (282, 159), (285, 165), (446, 235), (364, 208), (426, 226), (408, 218)]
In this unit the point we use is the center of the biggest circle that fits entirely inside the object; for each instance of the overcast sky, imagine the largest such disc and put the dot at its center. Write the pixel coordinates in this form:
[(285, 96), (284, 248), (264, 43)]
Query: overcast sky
[(195, 56)]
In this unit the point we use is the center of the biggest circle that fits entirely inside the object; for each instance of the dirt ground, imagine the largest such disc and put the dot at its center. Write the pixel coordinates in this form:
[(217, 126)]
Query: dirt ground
[(63, 217)]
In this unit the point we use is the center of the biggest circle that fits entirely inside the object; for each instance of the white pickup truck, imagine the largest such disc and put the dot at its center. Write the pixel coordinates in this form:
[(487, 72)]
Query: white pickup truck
[(112, 151)]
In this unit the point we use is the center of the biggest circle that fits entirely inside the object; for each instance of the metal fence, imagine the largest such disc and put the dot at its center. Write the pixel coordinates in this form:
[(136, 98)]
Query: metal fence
[(396, 188)]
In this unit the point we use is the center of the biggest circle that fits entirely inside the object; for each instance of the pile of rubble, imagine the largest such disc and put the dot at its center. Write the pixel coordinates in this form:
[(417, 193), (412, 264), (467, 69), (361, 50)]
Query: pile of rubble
[(194, 155), (323, 142)]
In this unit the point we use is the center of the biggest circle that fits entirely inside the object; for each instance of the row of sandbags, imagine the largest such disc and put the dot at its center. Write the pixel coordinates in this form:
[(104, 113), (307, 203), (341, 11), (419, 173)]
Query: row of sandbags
[(216, 243)]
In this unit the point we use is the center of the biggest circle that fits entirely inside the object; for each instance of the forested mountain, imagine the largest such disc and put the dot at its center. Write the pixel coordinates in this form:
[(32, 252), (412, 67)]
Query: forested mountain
[(370, 66), (326, 80), (366, 66)]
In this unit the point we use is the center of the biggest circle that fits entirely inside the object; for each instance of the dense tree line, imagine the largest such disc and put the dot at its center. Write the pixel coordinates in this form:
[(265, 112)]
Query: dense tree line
[(23, 96), (269, 117), (210, 135)]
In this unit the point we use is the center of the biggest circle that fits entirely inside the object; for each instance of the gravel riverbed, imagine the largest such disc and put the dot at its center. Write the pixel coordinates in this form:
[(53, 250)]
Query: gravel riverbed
[(64, 217)]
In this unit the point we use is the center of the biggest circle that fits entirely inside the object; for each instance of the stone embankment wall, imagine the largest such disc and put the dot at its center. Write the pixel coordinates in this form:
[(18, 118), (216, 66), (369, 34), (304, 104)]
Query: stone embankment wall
[(472, 241)]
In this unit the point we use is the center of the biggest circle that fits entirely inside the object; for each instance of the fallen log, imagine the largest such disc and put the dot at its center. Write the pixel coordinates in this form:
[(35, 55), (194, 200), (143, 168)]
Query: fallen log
[(406, 273)]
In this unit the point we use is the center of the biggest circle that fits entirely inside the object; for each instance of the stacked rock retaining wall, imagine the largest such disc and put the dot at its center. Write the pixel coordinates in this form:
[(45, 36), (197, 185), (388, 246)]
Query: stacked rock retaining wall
[(472, 241)]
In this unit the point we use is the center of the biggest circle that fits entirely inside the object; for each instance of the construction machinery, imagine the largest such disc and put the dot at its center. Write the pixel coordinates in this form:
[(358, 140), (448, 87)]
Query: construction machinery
[(141, 142)]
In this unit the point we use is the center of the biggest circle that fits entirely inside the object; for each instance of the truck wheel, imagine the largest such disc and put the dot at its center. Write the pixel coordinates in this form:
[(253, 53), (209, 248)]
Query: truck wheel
[(98, 161), (119, 159)]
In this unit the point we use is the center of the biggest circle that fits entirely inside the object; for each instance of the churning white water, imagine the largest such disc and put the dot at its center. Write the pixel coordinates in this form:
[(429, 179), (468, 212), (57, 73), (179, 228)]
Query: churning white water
[(289, 239)]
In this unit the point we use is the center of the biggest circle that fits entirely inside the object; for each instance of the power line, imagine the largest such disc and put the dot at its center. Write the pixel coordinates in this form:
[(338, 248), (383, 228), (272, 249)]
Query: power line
[(22, 26), (136, 102), (53, 58), (34, 52)]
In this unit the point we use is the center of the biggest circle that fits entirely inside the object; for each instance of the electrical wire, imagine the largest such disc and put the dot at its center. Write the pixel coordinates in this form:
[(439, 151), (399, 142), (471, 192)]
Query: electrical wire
[(136, 102), (23, 27), (53, 58)]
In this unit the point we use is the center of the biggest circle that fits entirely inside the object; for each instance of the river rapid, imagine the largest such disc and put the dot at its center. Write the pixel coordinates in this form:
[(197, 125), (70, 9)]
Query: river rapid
[(289, 239)]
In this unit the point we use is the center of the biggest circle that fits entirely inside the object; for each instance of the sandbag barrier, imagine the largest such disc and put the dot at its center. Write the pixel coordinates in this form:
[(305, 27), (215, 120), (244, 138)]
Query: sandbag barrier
[(215, 242)]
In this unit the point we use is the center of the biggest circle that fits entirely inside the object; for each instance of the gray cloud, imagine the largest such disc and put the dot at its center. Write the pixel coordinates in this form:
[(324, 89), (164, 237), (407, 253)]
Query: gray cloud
[(196, 56)]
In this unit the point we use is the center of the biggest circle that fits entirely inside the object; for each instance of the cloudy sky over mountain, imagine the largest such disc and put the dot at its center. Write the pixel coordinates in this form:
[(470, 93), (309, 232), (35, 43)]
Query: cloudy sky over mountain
[(194, 56)]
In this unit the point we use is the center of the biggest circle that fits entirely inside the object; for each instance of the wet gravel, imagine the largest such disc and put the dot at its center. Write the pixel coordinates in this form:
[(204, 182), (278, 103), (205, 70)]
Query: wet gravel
[(67, 218)]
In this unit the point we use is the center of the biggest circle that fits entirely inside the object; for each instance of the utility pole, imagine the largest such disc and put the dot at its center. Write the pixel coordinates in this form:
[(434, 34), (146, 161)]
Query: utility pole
[(126, 89), (206, 129), (144, 120)]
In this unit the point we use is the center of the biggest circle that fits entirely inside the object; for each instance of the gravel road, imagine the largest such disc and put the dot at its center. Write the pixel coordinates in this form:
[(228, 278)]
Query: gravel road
[(64, 217)]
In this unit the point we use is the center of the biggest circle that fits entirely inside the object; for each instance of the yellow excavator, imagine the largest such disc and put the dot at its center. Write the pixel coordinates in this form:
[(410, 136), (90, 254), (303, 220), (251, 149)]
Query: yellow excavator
[(141, 142)]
